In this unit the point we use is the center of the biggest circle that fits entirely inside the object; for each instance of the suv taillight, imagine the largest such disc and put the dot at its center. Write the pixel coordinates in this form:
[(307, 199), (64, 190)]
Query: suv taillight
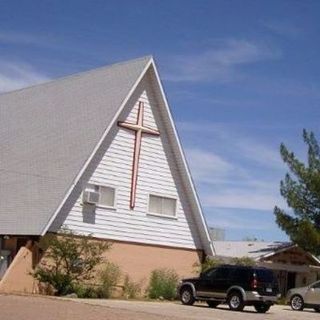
[(254, 283)]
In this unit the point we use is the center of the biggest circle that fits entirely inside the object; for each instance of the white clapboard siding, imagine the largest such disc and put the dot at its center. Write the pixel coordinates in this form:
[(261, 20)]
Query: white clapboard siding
[(156, 176)]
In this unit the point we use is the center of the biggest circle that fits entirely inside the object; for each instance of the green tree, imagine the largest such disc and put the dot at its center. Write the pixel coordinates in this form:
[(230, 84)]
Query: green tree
[(301, 189), (68, 260)]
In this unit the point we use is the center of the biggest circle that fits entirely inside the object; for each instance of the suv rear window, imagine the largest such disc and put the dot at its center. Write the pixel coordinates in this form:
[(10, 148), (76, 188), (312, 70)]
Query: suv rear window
[(264, 275)]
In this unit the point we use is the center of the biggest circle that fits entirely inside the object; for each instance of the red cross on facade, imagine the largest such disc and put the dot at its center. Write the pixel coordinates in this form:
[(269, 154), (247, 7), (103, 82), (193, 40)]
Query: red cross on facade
[(139, 129)]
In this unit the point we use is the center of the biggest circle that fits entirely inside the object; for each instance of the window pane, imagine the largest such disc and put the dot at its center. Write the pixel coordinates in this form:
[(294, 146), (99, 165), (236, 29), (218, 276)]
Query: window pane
[(222, 273), (155, 204), (169, 206), (107, 196), (162, 205), (211, 273)]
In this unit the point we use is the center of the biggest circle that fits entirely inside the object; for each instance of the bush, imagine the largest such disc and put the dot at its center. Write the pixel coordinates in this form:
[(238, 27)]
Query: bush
[(207, 264), (69, 260), (86, 291), (109, 277), (61, 283), (243, 261), (163, 283), (214, 262), (131, 289)]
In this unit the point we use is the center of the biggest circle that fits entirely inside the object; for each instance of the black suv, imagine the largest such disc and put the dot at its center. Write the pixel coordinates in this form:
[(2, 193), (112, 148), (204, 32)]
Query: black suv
[(239, 286)]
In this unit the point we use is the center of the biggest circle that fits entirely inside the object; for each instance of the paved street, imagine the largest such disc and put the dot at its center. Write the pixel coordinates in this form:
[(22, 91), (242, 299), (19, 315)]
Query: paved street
[(39, 308)]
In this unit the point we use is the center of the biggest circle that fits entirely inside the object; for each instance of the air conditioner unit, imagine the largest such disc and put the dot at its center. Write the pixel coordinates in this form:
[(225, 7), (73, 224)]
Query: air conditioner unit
[(90, 197)]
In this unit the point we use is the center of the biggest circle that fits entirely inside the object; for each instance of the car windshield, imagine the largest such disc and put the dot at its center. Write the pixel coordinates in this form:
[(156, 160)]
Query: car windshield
[(264, 275), (316, 285)]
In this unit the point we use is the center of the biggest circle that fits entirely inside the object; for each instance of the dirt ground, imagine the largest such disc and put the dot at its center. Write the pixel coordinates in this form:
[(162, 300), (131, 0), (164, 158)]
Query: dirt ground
[(47, 308)]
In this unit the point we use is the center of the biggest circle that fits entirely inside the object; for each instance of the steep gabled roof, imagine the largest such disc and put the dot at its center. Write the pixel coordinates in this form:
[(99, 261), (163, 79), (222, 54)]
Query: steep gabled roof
[(47, 132), (51, 132)]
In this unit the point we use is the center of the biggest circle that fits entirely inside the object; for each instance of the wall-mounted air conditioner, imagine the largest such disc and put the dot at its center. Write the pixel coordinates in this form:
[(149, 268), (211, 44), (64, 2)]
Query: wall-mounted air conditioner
[(90, 197)]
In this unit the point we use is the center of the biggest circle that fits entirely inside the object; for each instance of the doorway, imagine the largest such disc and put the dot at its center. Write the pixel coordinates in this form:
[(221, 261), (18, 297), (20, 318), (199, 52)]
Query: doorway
[(291, 281)]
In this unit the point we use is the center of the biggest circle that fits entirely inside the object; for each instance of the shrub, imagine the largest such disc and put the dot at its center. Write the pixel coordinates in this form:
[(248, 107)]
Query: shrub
[(163, 283), (69, 260), (131, 289), (62, 283), (243, 261), (109, 277), (85, 291), (207, 264)]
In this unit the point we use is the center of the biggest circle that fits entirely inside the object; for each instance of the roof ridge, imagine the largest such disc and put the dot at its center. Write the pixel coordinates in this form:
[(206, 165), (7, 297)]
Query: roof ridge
[(77, 74)]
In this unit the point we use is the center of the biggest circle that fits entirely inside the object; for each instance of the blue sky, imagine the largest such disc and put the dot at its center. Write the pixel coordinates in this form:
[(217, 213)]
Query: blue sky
[(241, 77)]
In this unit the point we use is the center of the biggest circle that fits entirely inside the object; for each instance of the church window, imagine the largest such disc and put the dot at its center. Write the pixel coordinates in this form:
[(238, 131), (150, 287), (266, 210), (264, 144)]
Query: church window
[(162, 205), (107, 196)]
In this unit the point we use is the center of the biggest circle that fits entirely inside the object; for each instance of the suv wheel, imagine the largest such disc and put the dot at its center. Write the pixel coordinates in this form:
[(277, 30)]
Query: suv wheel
[(262, 307), (296, 303), (235, 301), (186, 296), (316, 309), (212, 304)]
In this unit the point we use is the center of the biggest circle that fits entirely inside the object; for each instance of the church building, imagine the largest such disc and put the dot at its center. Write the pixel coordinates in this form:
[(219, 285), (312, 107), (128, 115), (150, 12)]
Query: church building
[(98, 153)]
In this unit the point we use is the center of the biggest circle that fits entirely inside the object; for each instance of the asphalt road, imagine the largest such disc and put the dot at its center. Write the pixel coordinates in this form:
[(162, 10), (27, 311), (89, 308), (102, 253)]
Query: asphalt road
[(39, 308), (201, 311)]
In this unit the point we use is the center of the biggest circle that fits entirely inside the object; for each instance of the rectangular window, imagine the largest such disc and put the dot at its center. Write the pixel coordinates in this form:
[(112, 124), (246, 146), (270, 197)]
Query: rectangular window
[(106, 195), (162, 205)]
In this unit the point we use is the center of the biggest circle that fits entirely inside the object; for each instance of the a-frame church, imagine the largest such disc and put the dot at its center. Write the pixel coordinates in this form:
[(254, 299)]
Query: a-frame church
[(97, 152)]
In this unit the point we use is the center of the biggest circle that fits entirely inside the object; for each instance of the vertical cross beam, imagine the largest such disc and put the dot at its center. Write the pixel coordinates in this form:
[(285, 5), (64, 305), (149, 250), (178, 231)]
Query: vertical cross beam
[(139, 129)]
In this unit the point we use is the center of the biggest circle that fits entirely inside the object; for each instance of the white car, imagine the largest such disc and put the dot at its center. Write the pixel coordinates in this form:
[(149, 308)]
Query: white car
[(305, 297)]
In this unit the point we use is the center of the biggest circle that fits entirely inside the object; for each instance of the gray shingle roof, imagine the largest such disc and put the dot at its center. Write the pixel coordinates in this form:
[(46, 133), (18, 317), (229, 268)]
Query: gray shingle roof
[(47, 132), (251, 249)]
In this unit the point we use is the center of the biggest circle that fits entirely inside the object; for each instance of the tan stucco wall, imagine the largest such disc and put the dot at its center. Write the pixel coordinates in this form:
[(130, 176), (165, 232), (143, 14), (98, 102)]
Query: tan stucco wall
[(139, 260), (17, 278), (136, 260)]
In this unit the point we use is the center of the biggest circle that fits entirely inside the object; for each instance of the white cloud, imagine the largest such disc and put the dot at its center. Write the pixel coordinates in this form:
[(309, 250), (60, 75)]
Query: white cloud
[(259, 153), (207, 166), (229, 219), (219, 63), (27, 39), (17, 75), (250, 198), (229, 185), (246, 147), (240, 173), (283, 28)]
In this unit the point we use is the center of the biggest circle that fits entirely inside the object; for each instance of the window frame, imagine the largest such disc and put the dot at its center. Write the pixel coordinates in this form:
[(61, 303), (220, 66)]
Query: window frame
[(161, 215), (96, 187)]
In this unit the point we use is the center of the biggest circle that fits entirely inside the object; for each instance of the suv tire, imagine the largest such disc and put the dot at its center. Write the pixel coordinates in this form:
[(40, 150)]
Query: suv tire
[(186, 296), (262, 307), (212, 304), (296, 303), (235, 301)]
